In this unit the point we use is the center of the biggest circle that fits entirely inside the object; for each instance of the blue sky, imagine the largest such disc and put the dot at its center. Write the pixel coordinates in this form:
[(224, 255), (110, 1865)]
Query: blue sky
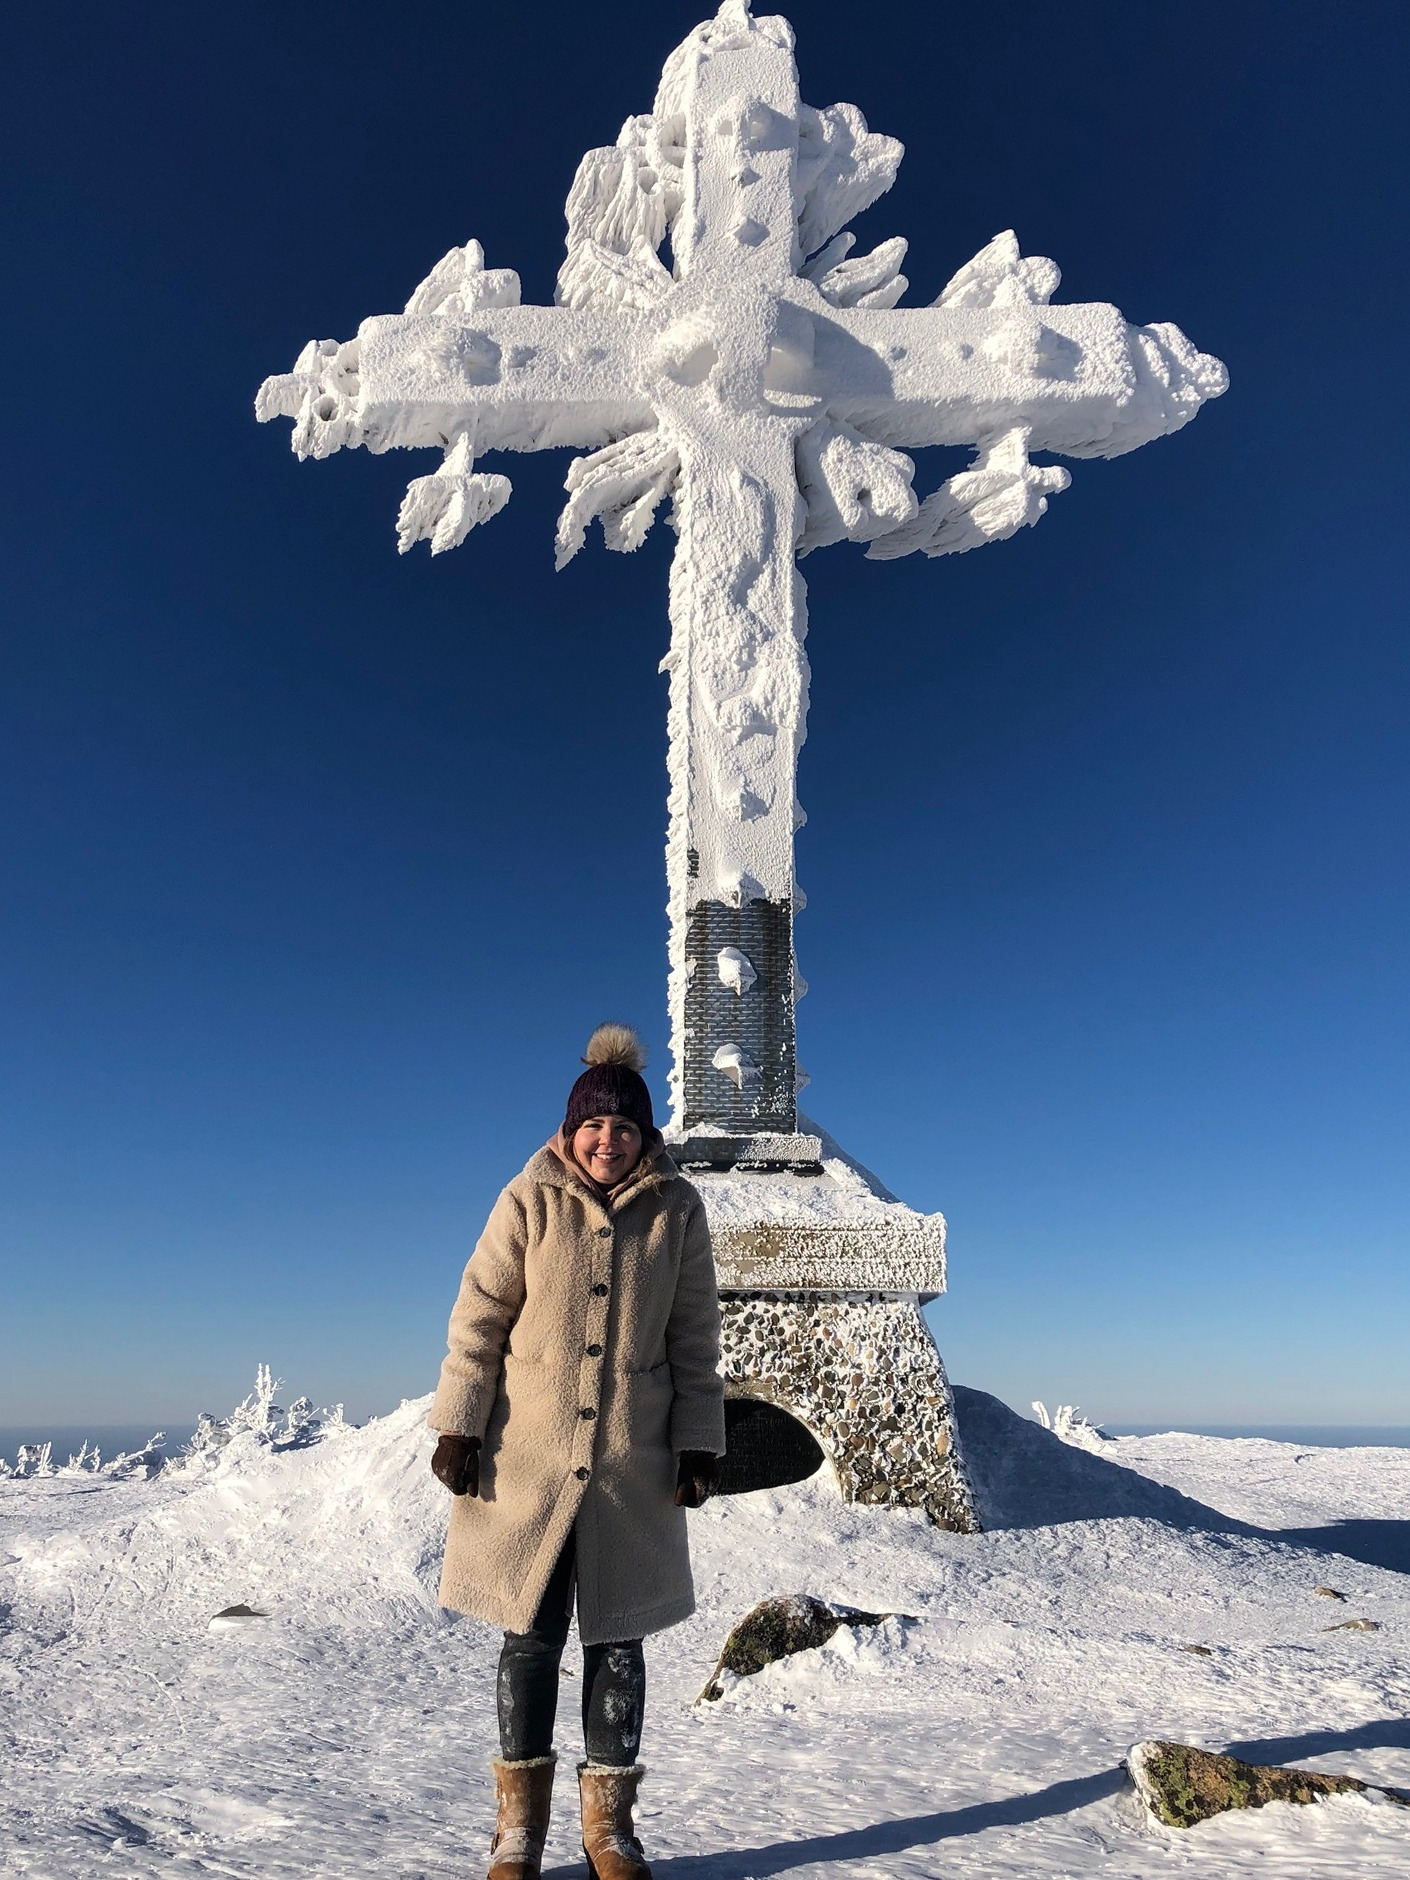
[(320, 863)]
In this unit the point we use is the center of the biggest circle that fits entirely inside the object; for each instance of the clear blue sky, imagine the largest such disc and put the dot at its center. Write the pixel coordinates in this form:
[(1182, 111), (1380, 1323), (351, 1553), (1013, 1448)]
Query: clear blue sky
[(320, 864)]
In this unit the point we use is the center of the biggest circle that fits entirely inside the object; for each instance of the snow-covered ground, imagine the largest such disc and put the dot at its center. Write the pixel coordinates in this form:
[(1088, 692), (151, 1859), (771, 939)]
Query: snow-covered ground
[(347, 1733)]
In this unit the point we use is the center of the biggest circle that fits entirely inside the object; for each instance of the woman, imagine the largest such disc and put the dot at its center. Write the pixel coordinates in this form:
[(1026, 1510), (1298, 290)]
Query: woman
[(581, 1411)]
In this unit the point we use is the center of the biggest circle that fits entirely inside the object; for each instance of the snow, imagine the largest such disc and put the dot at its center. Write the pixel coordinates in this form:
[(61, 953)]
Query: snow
[(840, 1231), (766, 384), (837, 1198), (734, 1062), (1260, 1481), (348, 1732), (735, 970)]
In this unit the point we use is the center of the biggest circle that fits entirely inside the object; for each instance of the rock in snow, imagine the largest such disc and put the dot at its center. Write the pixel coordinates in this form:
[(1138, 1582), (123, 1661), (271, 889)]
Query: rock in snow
[(234, 1616), (780, 1628), (1182, 1785)]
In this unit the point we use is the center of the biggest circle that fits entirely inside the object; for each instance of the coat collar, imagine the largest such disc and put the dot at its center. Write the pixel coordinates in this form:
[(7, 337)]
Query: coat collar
[(553, 1166)]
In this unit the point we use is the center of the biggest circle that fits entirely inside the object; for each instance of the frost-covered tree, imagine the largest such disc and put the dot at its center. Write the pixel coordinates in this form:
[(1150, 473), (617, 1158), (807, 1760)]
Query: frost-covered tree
[(260, 1416), (1070, 1426)]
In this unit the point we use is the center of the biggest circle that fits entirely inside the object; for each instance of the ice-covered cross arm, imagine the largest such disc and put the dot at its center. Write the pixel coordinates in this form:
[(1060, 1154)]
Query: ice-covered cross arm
[(770, 384)]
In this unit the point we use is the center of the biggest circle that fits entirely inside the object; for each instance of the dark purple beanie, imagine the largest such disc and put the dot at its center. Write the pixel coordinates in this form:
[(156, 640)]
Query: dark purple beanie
[(612, 1084)]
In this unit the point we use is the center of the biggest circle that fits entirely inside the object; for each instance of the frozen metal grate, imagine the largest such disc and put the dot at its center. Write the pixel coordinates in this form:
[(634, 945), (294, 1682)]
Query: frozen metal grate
[(759, 1020)]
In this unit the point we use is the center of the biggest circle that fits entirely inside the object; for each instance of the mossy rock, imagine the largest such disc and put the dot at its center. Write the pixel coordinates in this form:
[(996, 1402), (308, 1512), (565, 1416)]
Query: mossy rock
[(779, 1628), (1182, 1785)]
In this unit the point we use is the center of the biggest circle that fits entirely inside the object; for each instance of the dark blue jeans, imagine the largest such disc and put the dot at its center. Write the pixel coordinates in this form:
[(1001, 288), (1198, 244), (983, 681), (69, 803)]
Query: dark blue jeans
[(614, 1683)]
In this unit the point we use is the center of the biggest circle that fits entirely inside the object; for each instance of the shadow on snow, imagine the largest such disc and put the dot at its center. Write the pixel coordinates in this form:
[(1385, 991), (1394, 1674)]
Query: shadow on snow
[(1383, 1733), (883, 1838), (1025, 1477)]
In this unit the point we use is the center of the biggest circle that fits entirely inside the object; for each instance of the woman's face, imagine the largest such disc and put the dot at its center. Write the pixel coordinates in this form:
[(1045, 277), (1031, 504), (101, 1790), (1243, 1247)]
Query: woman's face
[(608, 1147)]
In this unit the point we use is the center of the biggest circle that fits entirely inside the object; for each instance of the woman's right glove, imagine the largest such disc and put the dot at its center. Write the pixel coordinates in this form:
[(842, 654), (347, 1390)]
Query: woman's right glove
[(697, 1478), (457, 1463)]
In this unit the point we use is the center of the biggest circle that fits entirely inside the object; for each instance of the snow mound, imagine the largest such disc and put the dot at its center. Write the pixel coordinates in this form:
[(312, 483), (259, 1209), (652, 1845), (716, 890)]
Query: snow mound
[(1025, 1476), (341, 1528)]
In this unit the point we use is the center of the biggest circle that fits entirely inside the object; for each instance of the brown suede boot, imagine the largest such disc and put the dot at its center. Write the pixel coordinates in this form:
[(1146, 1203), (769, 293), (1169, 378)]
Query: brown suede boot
[(524, 1792), (612, 1849)]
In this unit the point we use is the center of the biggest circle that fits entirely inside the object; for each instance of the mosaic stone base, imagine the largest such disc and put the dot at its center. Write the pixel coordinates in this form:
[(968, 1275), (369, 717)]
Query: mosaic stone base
[(862, 1373)]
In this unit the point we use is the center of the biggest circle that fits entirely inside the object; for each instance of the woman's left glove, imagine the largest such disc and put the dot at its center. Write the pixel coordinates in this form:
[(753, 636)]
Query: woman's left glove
[(697, 1479), (457, 1463)]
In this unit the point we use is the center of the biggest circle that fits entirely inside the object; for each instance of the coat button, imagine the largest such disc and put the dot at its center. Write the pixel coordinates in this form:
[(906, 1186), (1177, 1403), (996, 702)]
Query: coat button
[(582, 1474), (587, 1414), (604, 1233), (600, 1290), (594, 1351)]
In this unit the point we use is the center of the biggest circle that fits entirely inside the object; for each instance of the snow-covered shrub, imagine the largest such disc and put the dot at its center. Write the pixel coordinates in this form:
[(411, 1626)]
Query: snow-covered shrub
[(304, 1424), (259, 1416), (146, 1461), (36, 1459), (31, 1459), (1070, 1426)]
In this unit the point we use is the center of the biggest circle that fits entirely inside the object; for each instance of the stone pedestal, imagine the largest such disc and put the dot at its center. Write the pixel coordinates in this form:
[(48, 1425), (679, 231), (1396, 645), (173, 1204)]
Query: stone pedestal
[(822, 1276)]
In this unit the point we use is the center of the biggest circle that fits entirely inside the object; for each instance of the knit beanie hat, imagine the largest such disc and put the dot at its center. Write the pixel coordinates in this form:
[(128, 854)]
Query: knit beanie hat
[(612, 1084)]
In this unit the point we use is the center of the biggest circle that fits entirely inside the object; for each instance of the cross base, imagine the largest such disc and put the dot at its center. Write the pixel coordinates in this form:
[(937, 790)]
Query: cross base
[(802, 1154), (826, 1353), (863, 1377)]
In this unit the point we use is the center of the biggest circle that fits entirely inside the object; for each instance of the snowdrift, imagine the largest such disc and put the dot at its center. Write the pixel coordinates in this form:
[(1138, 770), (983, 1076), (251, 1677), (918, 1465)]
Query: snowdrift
[(347, 1731), (1025, 1476)]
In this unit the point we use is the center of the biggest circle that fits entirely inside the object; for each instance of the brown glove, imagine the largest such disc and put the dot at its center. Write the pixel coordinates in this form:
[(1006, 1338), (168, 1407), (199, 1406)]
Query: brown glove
[(697, 1479), (457, 1463)]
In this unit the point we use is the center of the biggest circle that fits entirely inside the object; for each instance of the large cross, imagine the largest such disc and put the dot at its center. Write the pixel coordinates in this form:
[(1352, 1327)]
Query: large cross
[(768, 382)]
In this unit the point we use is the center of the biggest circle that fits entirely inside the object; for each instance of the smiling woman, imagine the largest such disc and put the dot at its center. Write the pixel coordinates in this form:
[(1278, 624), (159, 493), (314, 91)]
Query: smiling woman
[(580, 1412), (609, 1114)]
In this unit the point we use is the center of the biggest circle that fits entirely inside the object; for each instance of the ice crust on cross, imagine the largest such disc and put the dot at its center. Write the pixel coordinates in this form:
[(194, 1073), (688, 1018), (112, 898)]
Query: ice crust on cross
[(767, 382)]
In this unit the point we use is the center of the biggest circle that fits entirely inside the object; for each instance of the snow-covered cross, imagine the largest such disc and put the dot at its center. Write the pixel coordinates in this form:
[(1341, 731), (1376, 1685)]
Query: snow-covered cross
[(767, 381)]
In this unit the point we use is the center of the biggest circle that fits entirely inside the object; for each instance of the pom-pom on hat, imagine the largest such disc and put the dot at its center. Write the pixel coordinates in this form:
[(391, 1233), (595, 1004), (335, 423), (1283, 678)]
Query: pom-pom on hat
[(612, 1084)]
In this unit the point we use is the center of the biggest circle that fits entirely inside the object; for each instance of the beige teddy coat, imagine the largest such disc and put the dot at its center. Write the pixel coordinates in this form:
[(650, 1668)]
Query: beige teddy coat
[(584, 1352)]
